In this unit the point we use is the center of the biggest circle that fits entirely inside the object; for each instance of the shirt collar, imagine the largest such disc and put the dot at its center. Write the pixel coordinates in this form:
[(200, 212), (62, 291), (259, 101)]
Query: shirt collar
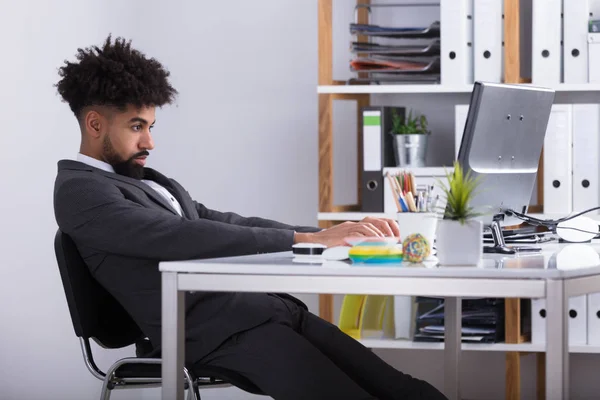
[(95, 163)]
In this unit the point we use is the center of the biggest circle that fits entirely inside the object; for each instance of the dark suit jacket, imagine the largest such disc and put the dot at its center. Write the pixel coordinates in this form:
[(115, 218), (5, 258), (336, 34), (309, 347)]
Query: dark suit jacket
[(123, 228)]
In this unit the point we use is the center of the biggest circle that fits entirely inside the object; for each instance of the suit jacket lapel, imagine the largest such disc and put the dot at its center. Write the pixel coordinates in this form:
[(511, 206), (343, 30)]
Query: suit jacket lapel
[(185, 202), (149, 191)]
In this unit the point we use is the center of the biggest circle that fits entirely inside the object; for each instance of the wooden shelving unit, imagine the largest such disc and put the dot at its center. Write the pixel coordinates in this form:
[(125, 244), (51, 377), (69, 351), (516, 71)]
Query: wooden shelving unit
[(502, 347), (397, 89), (329, 90)]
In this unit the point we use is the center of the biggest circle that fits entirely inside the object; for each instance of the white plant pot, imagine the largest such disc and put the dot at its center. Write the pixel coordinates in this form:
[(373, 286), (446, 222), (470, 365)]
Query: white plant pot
[(459, 244)]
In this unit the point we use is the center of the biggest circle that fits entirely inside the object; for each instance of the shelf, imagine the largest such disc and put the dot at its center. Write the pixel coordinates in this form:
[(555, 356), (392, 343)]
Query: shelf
[(363, 89), (421, 171), (437, 88), (504, 347)]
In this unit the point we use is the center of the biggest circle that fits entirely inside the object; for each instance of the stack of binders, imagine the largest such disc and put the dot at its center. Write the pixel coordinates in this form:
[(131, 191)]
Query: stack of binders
[(482, 320), (408, 55)]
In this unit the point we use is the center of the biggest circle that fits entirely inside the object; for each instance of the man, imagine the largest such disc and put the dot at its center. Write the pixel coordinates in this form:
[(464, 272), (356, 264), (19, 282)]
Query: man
[(125, 218)]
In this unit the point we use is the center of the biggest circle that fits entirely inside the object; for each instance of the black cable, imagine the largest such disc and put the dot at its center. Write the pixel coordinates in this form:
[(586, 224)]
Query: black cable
[(580, 230), (549, 223)]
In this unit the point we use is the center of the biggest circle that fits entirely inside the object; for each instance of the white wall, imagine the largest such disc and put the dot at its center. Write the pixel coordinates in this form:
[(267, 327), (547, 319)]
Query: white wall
[(243, 136)]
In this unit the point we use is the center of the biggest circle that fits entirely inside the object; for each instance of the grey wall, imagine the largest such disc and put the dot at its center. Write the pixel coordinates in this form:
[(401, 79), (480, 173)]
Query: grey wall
[(242, 136)]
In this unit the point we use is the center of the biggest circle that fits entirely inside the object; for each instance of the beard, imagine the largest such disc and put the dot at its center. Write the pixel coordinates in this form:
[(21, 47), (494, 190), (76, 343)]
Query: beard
[(126, 167)]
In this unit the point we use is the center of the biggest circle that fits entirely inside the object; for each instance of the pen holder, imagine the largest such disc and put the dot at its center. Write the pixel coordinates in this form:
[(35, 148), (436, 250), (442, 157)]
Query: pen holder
[(418, 222)]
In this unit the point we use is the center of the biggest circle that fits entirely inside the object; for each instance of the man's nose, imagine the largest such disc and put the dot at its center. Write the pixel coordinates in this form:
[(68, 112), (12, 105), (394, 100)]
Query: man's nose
[(147, 143)]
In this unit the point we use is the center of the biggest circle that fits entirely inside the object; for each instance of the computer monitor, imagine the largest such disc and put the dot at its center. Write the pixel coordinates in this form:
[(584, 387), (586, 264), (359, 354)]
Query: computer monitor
[(502, 142)]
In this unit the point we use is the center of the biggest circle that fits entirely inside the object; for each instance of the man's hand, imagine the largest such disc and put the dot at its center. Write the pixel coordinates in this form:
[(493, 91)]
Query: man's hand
[(334, 236)]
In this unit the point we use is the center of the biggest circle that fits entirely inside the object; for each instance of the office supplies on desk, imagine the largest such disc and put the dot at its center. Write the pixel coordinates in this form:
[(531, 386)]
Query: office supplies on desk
[(424, 223), (374, 250), (375, 254), (488, 31), (408, 196), (378, 152), (426, 182), (558, 177), (576, 15)]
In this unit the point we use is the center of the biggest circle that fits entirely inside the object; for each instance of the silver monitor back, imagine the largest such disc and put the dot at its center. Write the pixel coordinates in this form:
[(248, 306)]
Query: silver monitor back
[(502, 142)]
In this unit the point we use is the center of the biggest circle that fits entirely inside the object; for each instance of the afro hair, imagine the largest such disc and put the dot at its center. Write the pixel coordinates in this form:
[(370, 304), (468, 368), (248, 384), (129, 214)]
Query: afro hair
[(114, 75)]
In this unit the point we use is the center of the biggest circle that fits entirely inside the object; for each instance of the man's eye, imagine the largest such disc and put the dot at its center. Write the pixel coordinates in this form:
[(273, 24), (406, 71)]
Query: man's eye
[(137, 128)]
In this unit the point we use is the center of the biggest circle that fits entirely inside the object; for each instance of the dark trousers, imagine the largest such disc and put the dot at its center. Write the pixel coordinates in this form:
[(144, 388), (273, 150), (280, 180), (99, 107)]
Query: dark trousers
[(299, 356)]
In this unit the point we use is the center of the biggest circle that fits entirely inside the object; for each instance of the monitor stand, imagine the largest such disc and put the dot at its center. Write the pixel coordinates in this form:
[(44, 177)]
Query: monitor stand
[(500, 246)]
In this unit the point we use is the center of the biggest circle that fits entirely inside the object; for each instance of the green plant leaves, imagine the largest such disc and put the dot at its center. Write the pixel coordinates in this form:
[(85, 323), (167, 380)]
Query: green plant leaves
[(459, 191), (412, 125)]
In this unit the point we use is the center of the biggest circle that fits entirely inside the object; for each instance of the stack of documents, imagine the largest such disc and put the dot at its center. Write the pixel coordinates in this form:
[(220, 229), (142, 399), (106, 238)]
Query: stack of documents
[(482, 320), (431, 31), (409, 54)]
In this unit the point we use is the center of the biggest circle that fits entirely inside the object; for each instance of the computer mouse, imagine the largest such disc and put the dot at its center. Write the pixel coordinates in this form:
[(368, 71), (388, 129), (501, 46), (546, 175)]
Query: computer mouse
[(336, 253), (577, 230)]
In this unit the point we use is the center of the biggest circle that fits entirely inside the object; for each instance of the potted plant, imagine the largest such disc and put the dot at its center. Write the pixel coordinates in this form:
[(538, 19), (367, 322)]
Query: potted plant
[(411, 135), (459, 234)]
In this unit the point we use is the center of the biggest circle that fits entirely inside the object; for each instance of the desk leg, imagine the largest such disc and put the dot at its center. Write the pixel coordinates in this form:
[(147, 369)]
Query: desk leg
[(557, 341), (173, 333), (452, 346)]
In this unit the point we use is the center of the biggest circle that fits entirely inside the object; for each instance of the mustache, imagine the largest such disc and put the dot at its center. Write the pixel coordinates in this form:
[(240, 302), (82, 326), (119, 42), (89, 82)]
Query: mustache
[(140, 154)]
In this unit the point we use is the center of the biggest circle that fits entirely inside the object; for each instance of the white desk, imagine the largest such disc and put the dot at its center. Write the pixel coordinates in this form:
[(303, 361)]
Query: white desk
[(559, 272)]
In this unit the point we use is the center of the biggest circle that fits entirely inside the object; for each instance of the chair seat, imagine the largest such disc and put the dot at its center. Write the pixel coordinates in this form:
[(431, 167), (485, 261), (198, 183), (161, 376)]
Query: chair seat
[(215, 374), (138, 371)]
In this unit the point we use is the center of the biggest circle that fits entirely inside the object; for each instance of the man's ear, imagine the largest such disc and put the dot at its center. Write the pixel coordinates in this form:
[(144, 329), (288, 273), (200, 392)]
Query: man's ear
[(94, 123)]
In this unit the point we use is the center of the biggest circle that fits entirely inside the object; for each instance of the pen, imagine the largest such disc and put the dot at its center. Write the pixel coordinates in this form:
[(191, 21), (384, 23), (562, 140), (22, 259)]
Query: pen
[(403, 204), (428, 202), (435, 203)]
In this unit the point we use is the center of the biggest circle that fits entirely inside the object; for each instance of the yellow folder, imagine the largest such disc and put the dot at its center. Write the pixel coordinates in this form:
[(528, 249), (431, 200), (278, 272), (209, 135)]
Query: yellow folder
[(371, 316)]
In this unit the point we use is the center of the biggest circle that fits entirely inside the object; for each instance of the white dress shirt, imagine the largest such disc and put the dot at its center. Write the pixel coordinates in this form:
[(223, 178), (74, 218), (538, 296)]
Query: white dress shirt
[(158, 188)]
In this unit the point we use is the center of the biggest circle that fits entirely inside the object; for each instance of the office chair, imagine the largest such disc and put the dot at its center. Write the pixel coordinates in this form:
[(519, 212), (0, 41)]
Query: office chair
[(98, 316)]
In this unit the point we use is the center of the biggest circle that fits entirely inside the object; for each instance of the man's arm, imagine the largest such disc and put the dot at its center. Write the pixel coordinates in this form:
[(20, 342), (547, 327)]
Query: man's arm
[(98, 215), (235, 219)]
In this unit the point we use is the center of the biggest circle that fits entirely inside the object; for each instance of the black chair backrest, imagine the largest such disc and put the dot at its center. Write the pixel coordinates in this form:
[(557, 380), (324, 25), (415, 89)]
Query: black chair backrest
[(95, 312)]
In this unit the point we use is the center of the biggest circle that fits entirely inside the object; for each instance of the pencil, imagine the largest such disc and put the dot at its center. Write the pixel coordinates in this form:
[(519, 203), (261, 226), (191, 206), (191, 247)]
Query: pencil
[(411, 202), (394, 192)]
